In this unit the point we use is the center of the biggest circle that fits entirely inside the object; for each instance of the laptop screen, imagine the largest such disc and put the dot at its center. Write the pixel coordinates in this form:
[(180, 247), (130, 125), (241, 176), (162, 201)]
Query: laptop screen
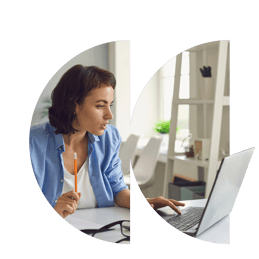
[(225, 188)]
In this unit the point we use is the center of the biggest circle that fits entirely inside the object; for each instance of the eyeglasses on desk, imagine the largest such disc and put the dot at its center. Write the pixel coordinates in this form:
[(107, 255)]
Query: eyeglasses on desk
[(124, 227)]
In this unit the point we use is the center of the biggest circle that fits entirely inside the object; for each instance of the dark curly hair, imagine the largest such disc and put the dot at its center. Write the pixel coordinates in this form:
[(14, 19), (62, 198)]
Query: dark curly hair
[(72, 88)]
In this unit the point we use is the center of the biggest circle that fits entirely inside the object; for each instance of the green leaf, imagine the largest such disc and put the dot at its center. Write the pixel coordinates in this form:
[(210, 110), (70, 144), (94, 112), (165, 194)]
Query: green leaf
[(163, 127)]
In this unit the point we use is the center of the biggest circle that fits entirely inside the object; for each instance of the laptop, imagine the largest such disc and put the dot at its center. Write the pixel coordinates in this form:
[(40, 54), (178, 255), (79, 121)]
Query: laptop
[(195, 220)]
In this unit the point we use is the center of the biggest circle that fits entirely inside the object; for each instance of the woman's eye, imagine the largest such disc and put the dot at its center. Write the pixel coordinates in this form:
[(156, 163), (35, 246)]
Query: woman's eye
[(101, 106)]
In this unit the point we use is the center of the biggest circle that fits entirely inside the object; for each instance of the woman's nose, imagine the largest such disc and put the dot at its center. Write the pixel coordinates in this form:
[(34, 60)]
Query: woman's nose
[(109, 115)]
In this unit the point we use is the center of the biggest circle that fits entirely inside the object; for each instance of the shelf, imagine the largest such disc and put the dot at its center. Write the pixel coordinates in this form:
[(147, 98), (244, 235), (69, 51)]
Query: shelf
[(193, 161), (193, 101), (190, 160), (198, 101), (206, 118)]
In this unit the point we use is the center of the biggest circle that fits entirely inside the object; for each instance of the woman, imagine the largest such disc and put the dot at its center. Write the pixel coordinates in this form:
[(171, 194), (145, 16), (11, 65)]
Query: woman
[(78, 123)]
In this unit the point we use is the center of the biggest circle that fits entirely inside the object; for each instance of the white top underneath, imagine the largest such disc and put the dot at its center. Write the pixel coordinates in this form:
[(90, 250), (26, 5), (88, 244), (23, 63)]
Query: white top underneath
[(84, 186)]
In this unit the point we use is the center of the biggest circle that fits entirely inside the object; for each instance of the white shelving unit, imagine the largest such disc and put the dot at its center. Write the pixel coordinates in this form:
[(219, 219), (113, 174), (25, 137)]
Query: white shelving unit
[(210, 115)]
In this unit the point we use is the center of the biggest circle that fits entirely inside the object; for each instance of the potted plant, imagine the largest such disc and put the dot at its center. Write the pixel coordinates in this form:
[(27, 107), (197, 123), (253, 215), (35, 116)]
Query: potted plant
[(163, 126)]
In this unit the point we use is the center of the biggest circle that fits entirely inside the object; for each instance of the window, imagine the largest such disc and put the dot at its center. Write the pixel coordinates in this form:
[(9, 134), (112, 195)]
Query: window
[(184, 92), (167, 87), (167, 74)]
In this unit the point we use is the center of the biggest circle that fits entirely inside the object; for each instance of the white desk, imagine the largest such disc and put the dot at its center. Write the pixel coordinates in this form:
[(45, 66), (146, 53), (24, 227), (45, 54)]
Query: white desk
[(105, 216), (218, 233)]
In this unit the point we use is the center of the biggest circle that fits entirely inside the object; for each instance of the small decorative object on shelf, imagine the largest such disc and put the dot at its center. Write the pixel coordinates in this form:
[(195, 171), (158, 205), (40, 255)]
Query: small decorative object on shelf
[(190, 152), (207, 92), (206, 71), (202, 148)]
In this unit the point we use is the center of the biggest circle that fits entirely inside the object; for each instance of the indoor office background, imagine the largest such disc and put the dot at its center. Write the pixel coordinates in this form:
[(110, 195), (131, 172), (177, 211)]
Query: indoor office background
[(195, 111), (114, 57)]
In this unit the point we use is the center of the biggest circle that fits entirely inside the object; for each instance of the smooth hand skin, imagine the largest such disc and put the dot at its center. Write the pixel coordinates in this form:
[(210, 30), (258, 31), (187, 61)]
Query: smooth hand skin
[(122, 199), (67, 203), (160, 202)]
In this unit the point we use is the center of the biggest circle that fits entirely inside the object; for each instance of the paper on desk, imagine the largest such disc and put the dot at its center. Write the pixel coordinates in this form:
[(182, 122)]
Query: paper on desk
[(82, 224)]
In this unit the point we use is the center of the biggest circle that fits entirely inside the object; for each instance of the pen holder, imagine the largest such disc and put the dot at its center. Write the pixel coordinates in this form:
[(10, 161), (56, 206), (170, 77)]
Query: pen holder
[(207, 89)]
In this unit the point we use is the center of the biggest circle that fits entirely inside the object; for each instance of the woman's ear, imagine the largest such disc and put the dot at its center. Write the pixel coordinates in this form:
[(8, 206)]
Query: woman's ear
[(76, 109)]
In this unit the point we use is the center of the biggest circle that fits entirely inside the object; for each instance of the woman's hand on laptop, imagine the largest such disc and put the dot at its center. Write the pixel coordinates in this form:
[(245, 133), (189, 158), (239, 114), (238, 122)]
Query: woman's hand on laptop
[(160, 202)]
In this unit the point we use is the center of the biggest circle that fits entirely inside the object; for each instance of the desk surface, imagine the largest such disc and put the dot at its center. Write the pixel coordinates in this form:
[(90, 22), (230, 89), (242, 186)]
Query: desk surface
[(218, 233), (105, 216)]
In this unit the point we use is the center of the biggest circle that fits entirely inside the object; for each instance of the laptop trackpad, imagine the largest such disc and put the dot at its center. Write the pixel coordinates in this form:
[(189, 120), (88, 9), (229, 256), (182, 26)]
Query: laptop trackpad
[(192, 230)]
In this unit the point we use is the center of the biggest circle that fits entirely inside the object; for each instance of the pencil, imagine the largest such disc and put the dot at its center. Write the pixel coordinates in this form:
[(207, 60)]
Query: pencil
[(75, 170)]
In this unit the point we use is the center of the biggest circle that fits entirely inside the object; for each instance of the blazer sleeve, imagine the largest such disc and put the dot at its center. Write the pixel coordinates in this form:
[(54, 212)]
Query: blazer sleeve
[(114, 172), (37, 144)]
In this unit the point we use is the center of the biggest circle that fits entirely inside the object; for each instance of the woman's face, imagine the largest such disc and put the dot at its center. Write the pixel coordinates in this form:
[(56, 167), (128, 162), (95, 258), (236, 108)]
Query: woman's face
[(94, 113)]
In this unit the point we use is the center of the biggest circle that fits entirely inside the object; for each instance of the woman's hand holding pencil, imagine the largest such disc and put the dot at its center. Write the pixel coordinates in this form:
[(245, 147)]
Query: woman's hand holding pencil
[(67, 203)]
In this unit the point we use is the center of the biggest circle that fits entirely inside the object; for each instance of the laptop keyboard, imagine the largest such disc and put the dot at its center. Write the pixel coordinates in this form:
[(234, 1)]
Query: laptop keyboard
[(189, 218)]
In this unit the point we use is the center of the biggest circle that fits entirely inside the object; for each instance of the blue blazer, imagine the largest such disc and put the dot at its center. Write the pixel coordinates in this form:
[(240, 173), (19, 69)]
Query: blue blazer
[(105, 172)]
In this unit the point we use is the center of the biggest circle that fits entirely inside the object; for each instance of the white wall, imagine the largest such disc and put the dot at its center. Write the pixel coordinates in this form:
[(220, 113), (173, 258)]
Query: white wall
[(97, 56), (119, 64), (146, 112)]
